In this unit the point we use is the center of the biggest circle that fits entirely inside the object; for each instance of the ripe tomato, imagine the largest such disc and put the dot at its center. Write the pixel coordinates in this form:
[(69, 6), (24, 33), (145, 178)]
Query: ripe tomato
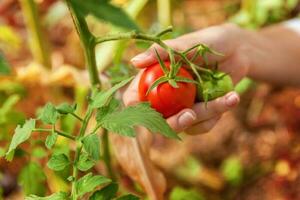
[(165, 98)]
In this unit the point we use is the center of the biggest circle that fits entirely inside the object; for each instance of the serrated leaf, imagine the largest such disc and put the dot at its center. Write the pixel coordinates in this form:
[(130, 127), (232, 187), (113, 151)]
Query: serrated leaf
[(101, 98), (32, 179), (105, 110), (66, 108), (84, 163), (89, 182), (55, 196), (156, 83), (123, 122), (128, 197), (58, 162), (4, 67), (106, 12), (51, 140), (91, 144), (48, 114), (22, 133), (106, 193), (161, 63), (185, 80)]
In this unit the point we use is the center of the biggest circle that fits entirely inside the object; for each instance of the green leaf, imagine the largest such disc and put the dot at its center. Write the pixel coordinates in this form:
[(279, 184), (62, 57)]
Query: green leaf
[(106, 193), (179, 193), (66, 108), (101, 98), (22, 133), (58, 162), (185, 80), (161, 63), (91, 144), (156, 83), (84, 163), (89, 182), (39, 152), (128, 197), (55, 196), (105, 110), (32, 179), (48, 115), (51, 140), (123, 122), (106, 12), (4, 67)]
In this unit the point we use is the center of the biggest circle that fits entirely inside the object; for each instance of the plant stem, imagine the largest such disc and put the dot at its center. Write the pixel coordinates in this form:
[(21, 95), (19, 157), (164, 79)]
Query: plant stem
[(106, 155), (61, 133), (87, 41), (131, 35), (37, 41), (78, 151), (77, 117)]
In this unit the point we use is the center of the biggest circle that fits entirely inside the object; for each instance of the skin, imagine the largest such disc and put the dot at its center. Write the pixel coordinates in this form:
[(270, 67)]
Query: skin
[(270, 55)]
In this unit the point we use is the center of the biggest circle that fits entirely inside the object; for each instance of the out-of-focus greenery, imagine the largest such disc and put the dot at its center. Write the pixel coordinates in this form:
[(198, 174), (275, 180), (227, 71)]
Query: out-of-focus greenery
[(179, 193), (257, 13)]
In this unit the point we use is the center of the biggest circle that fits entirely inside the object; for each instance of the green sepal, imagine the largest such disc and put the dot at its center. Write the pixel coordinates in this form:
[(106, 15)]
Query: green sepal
[(185, 80), (173, 83), (156, 83), (161, 63)]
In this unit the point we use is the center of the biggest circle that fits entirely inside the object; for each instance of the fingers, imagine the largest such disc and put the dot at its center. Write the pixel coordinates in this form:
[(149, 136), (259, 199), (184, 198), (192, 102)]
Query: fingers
[(131, 95), (203, 127), (220, 38), (149, 57), (216, 107), (182, 120), (203, 117)]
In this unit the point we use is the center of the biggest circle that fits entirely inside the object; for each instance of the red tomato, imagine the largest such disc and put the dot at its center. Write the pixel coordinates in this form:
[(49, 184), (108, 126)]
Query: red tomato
[(165, 98)]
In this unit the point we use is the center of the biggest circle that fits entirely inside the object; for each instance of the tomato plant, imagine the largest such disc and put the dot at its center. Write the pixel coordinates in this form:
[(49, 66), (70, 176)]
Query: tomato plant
[(167, 98)]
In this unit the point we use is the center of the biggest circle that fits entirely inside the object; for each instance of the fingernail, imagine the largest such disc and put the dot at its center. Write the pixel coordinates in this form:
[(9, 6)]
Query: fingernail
[(232, 99), (140, 57), (186, 119)]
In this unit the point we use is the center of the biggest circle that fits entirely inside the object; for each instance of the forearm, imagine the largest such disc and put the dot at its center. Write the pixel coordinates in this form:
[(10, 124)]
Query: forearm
[(277, 58)]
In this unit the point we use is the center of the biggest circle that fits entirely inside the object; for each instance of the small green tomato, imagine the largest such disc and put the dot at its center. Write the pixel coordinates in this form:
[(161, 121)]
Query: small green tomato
[(215, 87)]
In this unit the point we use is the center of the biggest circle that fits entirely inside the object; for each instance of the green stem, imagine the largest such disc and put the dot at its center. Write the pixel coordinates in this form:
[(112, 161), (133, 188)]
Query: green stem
[(61, 133), (37, 41), (77, 117), (132, 35), (78, 151), (87, 41), (106, 155)]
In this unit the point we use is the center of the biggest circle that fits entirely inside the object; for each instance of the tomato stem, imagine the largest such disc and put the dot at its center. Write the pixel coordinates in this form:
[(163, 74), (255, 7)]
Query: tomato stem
[(87, 40)]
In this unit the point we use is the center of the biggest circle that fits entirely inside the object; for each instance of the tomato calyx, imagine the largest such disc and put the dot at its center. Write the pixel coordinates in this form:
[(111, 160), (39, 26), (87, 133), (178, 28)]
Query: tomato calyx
[(170, 74)]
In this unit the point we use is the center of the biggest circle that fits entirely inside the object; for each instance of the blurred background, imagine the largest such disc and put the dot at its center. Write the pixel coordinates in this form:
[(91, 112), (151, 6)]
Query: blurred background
[(252, 154)]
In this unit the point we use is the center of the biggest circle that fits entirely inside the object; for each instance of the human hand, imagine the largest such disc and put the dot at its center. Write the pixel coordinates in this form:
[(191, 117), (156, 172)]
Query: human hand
[(201, 118)]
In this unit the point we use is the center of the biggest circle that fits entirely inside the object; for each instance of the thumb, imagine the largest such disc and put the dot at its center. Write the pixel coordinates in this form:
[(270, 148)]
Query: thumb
[(182, 120)]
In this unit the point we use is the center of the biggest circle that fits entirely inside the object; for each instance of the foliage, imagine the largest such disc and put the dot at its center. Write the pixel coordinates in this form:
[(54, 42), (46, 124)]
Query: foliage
[(256, 13), (179, 193)]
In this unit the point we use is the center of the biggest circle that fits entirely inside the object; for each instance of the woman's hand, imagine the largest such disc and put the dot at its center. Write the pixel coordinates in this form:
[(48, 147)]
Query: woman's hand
[(240, 48), (201, 118)]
